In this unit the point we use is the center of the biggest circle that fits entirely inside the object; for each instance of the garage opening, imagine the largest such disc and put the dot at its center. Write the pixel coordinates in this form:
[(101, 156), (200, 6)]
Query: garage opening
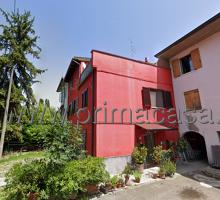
[(196, 146)]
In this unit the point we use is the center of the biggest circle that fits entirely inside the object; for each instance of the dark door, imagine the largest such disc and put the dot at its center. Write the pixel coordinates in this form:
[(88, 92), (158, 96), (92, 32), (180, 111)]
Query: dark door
[(149, 143)]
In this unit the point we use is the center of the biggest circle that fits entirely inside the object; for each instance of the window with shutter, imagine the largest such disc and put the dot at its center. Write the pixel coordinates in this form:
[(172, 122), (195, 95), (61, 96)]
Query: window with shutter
[(85, 98), (146, 98), (159, 99), (196, 60), (176, 68), (167, 99), (192, 100)]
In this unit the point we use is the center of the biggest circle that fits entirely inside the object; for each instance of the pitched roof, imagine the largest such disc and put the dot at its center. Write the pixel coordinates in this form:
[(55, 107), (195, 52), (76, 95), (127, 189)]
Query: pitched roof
[(75, 62), (200, 33)]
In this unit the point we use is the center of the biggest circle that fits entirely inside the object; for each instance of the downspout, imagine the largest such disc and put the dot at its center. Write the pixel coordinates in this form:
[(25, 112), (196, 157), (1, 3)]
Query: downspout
[(93, 105)]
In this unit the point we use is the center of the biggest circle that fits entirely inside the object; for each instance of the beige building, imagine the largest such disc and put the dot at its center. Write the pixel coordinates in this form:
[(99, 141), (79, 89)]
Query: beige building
[(195, 63)]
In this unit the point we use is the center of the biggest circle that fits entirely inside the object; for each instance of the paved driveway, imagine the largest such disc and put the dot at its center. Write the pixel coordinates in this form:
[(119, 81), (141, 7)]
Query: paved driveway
[(177, 188)]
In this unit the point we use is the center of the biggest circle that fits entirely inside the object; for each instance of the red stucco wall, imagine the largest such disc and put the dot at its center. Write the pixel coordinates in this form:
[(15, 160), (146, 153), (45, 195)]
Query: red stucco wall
[(119, 84)]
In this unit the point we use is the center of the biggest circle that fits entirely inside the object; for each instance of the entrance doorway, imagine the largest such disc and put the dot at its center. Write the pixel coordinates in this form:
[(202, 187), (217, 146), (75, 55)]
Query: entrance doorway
[(197, 146), (149, 143)]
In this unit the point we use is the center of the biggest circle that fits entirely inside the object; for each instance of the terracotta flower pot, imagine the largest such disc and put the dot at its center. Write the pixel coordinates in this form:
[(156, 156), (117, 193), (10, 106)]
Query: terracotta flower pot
[(140, 167), (162, 175), (137, 180), (126, 179), (32, 196), (154, 175), (91, 189)]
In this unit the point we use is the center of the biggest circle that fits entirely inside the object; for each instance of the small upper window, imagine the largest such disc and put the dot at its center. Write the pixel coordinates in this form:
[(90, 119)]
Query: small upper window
[(85, 99), (186, 64), (218, 132)]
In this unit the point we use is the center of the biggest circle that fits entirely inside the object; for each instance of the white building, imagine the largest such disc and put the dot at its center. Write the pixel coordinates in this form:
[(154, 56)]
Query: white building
[(195, 63)]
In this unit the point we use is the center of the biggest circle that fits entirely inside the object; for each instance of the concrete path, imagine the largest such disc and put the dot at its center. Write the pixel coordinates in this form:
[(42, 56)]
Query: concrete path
[(177, 188)]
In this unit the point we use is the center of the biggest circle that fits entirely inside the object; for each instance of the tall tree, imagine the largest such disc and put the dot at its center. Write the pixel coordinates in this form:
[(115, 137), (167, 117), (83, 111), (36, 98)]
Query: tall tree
[(18, 43)]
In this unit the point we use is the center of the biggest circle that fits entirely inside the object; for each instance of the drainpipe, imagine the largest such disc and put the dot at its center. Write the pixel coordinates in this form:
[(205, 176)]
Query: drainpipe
[(93, 104)]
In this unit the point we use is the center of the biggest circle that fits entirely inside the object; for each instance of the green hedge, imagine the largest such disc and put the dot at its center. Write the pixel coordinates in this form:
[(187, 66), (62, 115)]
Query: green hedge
[(40, 177)]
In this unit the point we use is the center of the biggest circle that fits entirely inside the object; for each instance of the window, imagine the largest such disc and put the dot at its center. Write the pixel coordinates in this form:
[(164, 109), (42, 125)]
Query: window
[(192, 100), (218, 132), (85, 99), (156, 98), (186, 64), (73, 107)]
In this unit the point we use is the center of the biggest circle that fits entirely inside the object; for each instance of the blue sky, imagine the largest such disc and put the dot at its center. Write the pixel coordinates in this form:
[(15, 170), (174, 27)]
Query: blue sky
[(135, 29)]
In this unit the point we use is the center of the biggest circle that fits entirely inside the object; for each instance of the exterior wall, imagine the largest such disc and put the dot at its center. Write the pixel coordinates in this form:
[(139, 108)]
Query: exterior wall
[(206, 79), (119, 84), (76, 92)]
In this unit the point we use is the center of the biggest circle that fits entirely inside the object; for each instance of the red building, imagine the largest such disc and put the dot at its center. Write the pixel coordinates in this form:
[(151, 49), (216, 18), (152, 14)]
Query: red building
[(113, 97)]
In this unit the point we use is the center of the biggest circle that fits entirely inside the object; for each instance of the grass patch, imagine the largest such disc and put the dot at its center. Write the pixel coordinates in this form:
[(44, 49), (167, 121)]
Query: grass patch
[(21, 156), (9, 160)]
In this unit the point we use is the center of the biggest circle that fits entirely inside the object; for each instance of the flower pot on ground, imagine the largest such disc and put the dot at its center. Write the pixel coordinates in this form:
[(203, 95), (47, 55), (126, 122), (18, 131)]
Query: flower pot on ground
[(154, 175), (127, 172), (139, 167), (138, 156), (114, 181), (137, 176), (33, 196), (162, 172), (127, 177), (170, 168), (120, 182), (91, 189)]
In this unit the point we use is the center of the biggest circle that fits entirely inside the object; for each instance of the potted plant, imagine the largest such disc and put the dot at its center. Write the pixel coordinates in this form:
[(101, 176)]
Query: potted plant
[(120, 182), (114, 181), (154, 175), (137, 176), (162, 172), (127, 172), (170, 168), (138, 156)]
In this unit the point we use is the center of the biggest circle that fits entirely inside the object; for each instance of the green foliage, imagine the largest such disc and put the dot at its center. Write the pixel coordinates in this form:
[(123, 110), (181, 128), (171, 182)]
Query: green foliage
[(160, 155), (162, 170), (64, 143), (114, 181), (139, 154), (128, 169), (41, 178), (137, 176), (169, 167), (28, 177), (18, 42), (181, 145)]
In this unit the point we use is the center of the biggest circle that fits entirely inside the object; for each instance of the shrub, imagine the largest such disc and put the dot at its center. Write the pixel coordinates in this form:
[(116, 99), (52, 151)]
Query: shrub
[(169, 167), (64, 143), (181, 145), (137, 176), (27, 177), (76, 175), (41, 178), (159, 155), (128, 169), (114, 181), (139, 154)]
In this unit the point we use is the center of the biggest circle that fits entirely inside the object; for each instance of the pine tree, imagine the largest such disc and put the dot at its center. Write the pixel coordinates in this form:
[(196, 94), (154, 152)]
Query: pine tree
[(18, 46), (18, 42)]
